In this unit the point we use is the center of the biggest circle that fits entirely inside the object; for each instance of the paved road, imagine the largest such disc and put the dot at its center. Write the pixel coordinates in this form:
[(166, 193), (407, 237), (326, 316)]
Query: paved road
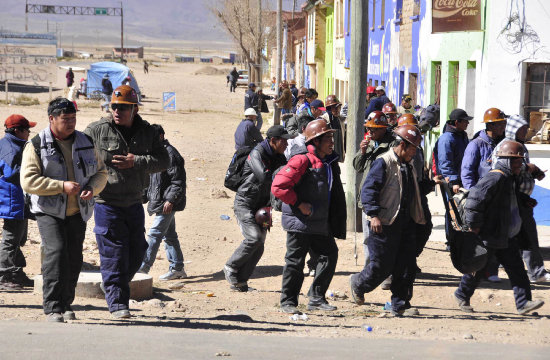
[(32, 340)]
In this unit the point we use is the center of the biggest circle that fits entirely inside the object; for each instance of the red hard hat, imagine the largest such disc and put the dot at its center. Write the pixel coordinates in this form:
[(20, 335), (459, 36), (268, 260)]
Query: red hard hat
[(371, 89), (389, 108)]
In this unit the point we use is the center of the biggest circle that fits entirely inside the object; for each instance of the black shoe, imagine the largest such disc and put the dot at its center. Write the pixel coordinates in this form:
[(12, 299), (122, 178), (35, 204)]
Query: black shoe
[(230, 276), (240, 287), (418, 270), (357, 296), (530, 306), (464, 305), (22, 279), (290, 309), (321, 306)]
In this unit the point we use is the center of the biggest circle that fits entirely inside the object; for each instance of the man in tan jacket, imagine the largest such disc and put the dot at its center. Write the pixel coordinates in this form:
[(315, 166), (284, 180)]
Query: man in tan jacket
[(62, 172)]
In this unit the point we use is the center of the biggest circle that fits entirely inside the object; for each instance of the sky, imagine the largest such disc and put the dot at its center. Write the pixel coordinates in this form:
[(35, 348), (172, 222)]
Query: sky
[(151, 23)]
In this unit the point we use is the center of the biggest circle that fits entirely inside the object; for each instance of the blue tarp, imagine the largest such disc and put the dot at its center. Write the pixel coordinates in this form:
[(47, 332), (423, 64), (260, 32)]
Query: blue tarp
[(117, 72)]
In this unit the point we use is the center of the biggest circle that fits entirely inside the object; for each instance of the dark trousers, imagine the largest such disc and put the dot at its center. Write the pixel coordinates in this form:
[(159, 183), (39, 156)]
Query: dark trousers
[(532, 257), (513, 265), (250, 251), (62, 248), (423, 232), (12, 261), (392, 252), (297, 247), (233, 86), (120, 236)]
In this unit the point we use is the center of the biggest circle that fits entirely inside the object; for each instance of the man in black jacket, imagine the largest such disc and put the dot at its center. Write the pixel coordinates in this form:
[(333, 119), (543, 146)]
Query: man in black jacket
[(251, 100), (492, 211), (253, 194), (166, 196)]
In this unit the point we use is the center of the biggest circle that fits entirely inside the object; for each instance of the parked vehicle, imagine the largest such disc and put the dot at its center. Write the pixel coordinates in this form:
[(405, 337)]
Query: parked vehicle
[(243, 78)]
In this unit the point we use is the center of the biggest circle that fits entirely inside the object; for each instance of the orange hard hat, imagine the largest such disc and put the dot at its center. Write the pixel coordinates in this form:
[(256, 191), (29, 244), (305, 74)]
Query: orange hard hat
[(371, 89), (493, 115), (124, 94), (389, 108), (376, 119), (317, 128), (510, 148), (410, 134), (407, 119)]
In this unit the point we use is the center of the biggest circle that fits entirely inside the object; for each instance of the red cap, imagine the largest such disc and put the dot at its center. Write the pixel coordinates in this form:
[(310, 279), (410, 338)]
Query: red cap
[(16, 120), (371, 89)]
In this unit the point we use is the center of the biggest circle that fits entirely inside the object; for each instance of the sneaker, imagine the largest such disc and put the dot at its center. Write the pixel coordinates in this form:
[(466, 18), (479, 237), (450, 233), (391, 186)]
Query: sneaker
[(386, 284), (411, 312), (464, 305), (543, 278), (69, 315), (230, 275), (55, 317), (173, 275), (290, 309), (357, 296), (121, 314), (240, 287), (494, 279), (22, 279), (321, 306), (530, 306)]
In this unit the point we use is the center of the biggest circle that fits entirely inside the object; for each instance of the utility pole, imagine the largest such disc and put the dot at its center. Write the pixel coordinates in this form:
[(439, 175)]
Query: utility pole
[(277, 113), (358, 97), (121, 34), (259, 49), (26, 15)]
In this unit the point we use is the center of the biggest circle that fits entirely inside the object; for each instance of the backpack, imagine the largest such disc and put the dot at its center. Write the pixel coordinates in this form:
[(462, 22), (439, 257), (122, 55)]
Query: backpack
[(234, 174)]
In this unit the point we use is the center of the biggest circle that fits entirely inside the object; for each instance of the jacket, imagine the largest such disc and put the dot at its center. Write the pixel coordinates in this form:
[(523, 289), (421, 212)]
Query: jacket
[(12, 200), (363, 162), (376, 104), (125, 186), (477, 159), (382, 192), (247, 134), (52, 168), (295, 146), (285, 101), (168, 185), (486, 207), (292, 123), (106, 87), (294, 91), (449, 153), (263, 103), (335, 123), (307, 178), (262, 162), (251, 100)]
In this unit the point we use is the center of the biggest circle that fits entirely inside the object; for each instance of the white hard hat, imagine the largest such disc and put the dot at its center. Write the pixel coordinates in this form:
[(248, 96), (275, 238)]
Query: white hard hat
[(380, 87), (249, 112)]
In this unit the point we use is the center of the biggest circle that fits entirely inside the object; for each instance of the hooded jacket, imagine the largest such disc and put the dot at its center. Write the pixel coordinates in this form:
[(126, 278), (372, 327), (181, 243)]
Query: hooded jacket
[(449, 152), (12, 201), (476, 162)]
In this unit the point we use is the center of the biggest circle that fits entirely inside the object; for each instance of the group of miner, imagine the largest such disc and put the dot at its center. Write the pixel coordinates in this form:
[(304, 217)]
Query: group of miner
[(61, 177)]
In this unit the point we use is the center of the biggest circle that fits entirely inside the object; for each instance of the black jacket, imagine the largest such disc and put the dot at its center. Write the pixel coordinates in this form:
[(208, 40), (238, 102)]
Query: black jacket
[(292, 123), (488, 208), (255, 191), (262, 99), (168, 185)]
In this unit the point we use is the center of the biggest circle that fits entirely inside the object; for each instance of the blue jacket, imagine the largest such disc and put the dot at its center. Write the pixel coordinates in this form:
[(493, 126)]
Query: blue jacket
[(12, 200), (251, 100), (247, 134), (477, 159), (376, 104), (449, 152)]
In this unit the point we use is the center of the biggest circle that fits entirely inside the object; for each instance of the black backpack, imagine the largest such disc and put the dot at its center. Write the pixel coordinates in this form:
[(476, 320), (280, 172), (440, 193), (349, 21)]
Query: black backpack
[(234, 175)]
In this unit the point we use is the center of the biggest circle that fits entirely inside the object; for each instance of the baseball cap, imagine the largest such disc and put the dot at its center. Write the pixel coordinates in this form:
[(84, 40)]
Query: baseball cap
[(251, 85), (380, 87), (407, 97), (15, 120), (459, 114), (317, 104), (278, 131)]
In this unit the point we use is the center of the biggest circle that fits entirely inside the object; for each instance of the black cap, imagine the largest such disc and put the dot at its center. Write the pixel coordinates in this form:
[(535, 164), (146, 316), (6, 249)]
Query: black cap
[(278, 131), (459, 114)]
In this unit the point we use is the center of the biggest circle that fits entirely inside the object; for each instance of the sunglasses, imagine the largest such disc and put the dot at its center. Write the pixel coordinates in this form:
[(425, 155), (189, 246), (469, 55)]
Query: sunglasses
[(121, 107)]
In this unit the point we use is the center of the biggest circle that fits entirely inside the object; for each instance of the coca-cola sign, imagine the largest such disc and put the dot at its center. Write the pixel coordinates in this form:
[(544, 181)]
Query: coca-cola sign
[(456, 15)]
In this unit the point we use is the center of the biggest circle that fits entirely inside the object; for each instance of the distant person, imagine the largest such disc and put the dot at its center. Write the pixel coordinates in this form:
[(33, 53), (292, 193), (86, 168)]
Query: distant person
[(294, 91), (378, 102), (83, 88), (62, 171), (247, 134), (273, 82), (166, 195), (251, 100), (12, 208), (106, 91), (406, 106), (145, 67), (234, 74), (262, 101), (70, 77), (285, 99)]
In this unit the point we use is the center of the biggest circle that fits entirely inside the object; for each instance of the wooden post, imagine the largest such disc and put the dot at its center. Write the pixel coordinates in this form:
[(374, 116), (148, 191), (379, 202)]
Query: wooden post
[(6, 84), (259, 48), (357, 102), (277, 114)]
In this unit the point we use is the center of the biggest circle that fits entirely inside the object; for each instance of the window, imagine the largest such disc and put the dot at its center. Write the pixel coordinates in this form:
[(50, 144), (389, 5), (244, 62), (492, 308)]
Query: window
[(436, 88), (373, 23), (382, 14), (311, 26), (537, 88), (413, 83), (453, 85)]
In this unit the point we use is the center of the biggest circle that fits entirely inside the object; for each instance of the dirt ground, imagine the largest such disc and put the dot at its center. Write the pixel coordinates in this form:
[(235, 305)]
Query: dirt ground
[(202, 130)]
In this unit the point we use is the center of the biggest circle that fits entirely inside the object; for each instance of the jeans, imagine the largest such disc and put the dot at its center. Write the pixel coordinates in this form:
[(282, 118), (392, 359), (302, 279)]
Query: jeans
[(250, 251), (62, 247), (163, 228), (12, 261), (513, 265), (232, 86), (392, 252), (120, 236), (366, 230), (259, 120), (297, 247), (107, 101)]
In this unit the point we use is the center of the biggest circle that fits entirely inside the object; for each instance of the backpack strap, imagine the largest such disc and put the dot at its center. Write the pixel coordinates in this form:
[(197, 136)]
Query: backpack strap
[(36, 143)]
